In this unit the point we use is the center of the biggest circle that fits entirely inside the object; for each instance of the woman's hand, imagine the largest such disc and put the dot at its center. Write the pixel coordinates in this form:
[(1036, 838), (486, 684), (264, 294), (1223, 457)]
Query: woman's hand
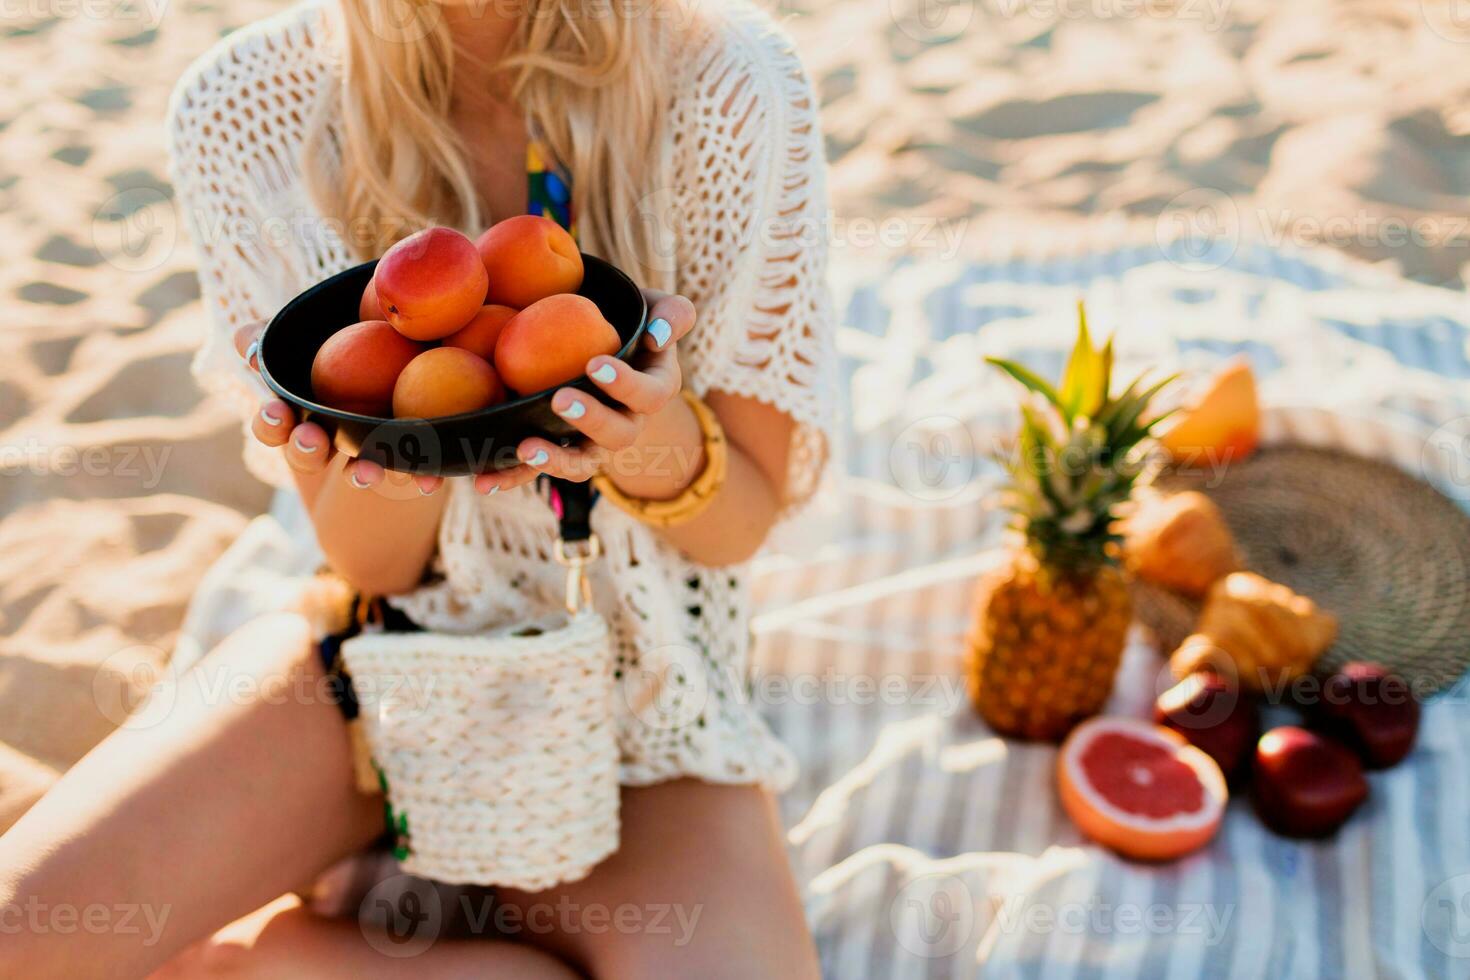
[(308, 449), (636, 390)]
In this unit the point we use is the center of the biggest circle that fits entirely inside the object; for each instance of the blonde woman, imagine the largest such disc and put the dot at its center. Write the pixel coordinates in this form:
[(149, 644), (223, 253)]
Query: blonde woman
[(312, 141)]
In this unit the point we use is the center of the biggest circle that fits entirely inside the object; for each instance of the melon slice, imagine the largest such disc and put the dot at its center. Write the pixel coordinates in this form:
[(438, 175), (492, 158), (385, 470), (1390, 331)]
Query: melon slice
[(1222, 425)]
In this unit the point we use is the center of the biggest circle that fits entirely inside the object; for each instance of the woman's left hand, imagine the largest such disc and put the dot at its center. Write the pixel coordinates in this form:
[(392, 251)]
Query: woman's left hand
[(634, 390)]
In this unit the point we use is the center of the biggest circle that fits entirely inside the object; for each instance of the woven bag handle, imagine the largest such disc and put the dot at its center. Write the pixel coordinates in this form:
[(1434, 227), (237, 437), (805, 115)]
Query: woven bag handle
[(576, 545)]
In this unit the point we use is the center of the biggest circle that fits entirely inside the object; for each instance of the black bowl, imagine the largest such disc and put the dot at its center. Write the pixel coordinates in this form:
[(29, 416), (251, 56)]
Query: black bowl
[(454, 445)]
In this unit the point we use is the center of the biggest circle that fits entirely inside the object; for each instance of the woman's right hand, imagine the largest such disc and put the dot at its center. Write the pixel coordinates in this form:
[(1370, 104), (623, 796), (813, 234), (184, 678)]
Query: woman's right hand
[(307, 447)]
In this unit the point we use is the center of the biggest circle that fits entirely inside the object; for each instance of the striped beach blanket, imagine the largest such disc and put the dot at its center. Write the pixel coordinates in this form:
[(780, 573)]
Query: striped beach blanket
[(927, 846)]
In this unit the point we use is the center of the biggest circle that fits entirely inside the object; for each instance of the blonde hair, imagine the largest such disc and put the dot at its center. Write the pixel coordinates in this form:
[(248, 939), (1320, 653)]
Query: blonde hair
[(383, 158)]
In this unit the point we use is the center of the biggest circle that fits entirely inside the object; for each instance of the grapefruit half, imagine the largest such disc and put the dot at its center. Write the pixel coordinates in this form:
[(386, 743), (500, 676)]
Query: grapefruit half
[(1140, 789)]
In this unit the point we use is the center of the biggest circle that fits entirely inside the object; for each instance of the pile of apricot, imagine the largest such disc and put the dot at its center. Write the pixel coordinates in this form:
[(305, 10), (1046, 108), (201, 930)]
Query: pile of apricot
[(447, 325)]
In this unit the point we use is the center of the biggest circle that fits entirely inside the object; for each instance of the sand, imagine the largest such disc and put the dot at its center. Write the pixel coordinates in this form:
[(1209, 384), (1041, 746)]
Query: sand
[(953, 129)]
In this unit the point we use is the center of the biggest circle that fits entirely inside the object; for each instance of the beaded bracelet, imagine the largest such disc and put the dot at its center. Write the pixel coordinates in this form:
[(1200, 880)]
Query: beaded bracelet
[(696, 497)]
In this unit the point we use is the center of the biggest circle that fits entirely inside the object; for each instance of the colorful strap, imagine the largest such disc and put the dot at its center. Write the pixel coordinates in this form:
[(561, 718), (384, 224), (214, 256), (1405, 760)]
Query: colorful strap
[(550, 195)]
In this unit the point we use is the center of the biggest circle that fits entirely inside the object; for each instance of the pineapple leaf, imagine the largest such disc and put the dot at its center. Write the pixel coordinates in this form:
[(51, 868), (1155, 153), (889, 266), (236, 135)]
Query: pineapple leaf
[(1031, 380), (1128, 416), (1078, 379)]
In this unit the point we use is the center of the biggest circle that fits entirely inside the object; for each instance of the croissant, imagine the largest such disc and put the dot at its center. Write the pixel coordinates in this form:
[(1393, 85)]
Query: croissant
[(1258, 630), (1179, 542)]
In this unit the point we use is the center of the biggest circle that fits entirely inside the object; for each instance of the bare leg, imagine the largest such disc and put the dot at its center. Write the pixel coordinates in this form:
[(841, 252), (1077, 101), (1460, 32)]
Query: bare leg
[(284, 941), (227, 802), (700, 886)]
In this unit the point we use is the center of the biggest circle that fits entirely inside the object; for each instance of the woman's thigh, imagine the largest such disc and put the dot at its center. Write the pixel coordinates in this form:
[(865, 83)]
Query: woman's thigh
[(700, 886), (233, 789)]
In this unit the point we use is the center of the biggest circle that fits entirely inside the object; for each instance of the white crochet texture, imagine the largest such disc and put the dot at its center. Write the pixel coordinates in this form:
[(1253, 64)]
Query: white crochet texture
[(498, 749), (749, 250)]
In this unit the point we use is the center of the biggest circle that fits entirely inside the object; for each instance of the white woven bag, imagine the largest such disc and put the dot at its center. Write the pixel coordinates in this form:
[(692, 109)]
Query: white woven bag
[(498, 752)]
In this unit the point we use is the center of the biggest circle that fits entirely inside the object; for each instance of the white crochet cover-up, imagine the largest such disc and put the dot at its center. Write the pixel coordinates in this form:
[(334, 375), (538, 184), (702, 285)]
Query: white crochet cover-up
[(751, 254)]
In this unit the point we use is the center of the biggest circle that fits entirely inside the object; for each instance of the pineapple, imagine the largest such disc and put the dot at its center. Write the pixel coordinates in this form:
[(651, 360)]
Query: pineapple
[(1050, 623)]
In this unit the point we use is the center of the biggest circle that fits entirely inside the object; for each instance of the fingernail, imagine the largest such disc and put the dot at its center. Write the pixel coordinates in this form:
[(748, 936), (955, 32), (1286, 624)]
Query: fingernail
[(251, 351), (661, 331), (541, 458), (606, 374), (574, 410), (356, 482), (424, 491), (303, 447), (494, 489), (270, 419)]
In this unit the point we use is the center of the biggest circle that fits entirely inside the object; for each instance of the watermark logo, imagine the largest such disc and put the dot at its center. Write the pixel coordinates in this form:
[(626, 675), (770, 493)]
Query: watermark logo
[(933, 458), (401, 916), (1199, 229), (134, 688), (136, 230), (933, 916), (1445, 916), (1444, 460), (1450, 19), (668, 688)]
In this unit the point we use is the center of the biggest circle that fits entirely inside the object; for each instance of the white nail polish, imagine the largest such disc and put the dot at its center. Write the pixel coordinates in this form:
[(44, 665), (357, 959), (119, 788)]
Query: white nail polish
[(493, 490), (541, 458), (356, 482), (303, 447), (606, 374), (424, 492), (268, 418), (574, 410), (252, 351)]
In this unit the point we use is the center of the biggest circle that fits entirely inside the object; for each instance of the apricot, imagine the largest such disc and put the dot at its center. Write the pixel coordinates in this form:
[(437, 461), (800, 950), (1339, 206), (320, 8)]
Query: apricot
[(550, 342), (431, 283), (480, 334), (367, 307), (356, 368), (529, 258), (445, 381)]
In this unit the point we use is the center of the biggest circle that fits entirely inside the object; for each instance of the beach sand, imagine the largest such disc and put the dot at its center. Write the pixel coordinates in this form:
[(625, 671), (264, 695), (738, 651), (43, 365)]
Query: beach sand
[(953, 130)]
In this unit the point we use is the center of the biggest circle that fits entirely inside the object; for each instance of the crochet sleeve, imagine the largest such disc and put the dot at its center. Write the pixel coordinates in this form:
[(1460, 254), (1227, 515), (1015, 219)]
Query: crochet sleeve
[(753, 242), (220, 163)]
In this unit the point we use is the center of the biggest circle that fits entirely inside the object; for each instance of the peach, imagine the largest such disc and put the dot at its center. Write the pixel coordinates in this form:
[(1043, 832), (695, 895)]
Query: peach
[(550, 342), (528, 258), (480, 334), (368, 307), (356, 368), (445, 381), (431, 283)]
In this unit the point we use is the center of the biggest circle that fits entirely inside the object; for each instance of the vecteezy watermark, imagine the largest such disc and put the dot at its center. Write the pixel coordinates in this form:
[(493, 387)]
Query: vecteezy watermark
[(94, 919), (1098, 917), (570, 918), (1445, 916), (145, 464), (137, 688), (1450, 19), (1202, 228), (136, 230), (1212, 15), (402, 916), (1199, 229), (1445, 459), (933, 916), (147, 12), (933, 458)]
